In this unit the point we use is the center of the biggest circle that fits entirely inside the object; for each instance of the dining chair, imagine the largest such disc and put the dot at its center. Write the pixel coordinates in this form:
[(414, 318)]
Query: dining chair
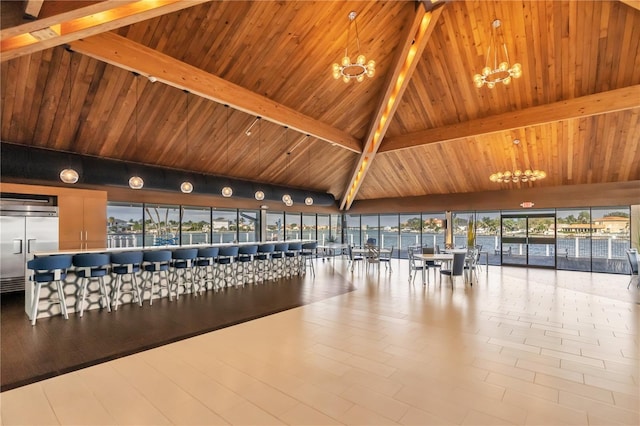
[(206, 267), (386, 259), (432, 263), (308, 253), (183, 263), (457, 269), (263, 257), (124, 264), (156, 264), (353, 258), (632, 255), (246, 259), (372, 256), (415, 265), (226, 260), (48, 269), (92, 266)]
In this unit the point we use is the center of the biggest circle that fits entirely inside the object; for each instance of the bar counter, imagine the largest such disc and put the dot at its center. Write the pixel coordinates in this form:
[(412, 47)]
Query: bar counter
[(72, 283)]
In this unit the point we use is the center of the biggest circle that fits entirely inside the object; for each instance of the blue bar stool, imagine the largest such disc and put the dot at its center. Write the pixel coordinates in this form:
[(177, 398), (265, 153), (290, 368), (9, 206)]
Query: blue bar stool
[(278, 260), (184, 261), (48, 269), (156, 262), (126, 263), (292, 258), (92, 265), (206, 267), (246, 255), (263, 259), (226, 257), (308, 252)]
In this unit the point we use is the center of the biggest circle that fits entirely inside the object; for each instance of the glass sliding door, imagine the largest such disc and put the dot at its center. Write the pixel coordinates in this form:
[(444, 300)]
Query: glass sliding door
[(573, 239), (389, 235), (353, 228), (410, 232), (370, 228), (323, 229), (488, 236), (528, 240)]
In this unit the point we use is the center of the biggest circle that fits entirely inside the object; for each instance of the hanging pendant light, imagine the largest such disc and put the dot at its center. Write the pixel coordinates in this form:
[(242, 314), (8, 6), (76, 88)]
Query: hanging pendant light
[(136, 182), (349, 70), (286, 198), (309, 200), (69, 175), (259, 195), (497, 67), (186, 187), (227, 191)]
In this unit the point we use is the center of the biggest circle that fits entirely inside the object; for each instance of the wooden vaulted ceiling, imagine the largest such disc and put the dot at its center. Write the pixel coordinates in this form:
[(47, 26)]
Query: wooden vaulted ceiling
[(575, 110)]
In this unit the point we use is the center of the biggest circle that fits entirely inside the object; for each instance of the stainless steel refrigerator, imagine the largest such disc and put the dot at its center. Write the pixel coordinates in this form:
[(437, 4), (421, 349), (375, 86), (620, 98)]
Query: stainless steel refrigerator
[(24, 229)]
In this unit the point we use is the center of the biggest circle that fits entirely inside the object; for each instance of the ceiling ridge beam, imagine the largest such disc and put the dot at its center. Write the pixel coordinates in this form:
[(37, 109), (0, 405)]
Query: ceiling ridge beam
[(129, 55), (71, 25), (585, 106), (415, 41)]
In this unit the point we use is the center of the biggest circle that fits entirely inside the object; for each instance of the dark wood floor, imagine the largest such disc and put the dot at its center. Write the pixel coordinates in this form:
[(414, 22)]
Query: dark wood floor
[(56, 346)]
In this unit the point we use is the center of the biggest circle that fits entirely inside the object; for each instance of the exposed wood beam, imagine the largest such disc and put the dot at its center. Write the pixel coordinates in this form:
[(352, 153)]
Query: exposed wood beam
[(123, 53), (413, 46), (633, 3), (586, 106), (82, 22), (32, 8)]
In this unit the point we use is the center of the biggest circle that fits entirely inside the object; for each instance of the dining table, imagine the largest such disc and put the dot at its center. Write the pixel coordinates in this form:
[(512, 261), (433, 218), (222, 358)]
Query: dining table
[(438, 257)]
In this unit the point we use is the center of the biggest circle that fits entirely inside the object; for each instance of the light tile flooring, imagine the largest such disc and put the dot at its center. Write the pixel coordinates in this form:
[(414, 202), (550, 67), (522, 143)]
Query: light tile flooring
[(523, 346)]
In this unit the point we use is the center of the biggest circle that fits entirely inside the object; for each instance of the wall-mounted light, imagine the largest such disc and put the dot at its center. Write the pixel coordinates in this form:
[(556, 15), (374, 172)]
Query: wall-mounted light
[(136, 182)]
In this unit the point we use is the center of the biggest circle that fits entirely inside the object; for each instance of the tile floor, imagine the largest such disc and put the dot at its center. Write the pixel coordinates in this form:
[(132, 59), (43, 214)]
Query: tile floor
[(522, 346)]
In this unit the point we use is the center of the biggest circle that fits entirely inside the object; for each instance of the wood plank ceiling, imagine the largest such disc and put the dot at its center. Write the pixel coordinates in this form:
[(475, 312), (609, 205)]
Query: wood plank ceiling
[(283, 51)]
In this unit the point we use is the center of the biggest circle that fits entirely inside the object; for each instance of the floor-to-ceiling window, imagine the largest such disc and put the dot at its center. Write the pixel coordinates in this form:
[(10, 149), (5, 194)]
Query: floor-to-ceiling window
[(225, 226), (573, 239), (410, 232), (370, 227), (433, 227), (275, 226), (487, 226), (161, 225), (461, 222), (323, 228), (336, 227), (195, 225), (293, 226), (124, 224), (248, 225), (389, 231), (611, 237), (354, 230), (308, 226)]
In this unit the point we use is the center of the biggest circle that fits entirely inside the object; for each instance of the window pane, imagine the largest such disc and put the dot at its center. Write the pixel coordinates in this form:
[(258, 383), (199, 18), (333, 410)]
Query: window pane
[(488, 235), (432, 230), (275, 226), (410, 232), (292, 222), (336, 228), (461, 222), (389, 231), (573, 239), (162, 225), (323, 228), (249, 226), (370, 228), (308, 226), (353, 230), (124, 225), (610, 239), (225, 226), (196, 225)]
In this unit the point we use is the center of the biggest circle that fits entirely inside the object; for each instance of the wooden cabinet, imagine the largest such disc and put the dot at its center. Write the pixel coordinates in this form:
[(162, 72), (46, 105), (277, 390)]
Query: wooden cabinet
[(83, 220)]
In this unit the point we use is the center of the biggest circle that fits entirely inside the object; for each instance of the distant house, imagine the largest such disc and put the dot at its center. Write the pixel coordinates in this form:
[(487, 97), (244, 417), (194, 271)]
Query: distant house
[(579, 228), (220, 224), (612, 224)]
